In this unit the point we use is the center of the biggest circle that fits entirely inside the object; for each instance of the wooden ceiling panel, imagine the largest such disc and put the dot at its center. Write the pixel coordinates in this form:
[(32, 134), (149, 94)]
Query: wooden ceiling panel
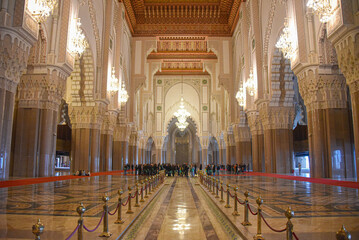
[(182, 17)]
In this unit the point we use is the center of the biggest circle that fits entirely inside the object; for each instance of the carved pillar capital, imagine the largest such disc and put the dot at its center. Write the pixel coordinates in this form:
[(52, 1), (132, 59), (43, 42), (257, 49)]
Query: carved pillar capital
[(276, 117), (109, 122), (14, 52), (43, 87), (254, 122), (322, 87), (348, 58), (90, 116)]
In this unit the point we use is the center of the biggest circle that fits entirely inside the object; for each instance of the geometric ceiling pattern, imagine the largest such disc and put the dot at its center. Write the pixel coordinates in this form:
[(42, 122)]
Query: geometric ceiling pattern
[(182, 17)]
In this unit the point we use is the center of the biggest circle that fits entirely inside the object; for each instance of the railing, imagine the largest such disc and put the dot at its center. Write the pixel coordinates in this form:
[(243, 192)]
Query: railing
[(140, 187), (214, 186)]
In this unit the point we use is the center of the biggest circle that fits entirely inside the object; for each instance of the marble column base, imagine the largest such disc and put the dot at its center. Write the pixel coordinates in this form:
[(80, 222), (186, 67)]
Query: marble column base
[(258, 152), (330, 143), (278, 150)]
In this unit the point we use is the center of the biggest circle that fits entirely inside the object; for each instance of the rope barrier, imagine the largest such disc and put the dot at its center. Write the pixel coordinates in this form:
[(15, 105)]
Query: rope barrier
[(134, 195), (275, 230), (128, 198), (295, 235), (251, 210), (72, 234), (115, 210), (230, 194), (103, 214), (242, 203)]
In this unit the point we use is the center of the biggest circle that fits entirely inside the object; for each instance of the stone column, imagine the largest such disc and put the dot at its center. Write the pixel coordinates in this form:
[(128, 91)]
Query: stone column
[(329, 126), (204, 143), (86, 135), (132, 149), (277, 125), (242, 137), (349, 65), (120, 146), (343, 32), (257, 141), (107, 131), (17, 33), (39, 96)]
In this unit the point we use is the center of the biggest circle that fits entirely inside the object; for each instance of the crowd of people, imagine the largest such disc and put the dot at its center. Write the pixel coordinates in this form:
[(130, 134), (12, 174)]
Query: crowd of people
[(185, 169), (82, 173)]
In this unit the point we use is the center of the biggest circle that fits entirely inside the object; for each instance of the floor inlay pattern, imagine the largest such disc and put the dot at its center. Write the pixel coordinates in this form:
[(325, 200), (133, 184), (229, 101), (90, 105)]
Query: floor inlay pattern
[(63, 197), (306, 199)]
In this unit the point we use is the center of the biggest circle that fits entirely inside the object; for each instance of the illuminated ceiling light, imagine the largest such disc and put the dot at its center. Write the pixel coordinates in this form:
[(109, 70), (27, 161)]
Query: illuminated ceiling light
[(122, 93), (41, 9), (285, 43), (182, 114), (250, 84), (114, 85), (240, 96), (78, 42), (322, 8)]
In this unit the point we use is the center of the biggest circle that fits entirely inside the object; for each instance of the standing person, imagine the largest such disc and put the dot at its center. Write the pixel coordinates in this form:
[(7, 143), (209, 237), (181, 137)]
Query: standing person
[(195, 169), (300, 168), (214, 170)]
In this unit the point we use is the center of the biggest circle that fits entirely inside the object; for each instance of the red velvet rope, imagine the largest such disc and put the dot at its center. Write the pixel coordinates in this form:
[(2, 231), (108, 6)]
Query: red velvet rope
[(275, 230), (92, 230), (134, 195), (251, 210), (128, 198), (242, 203), (115, 210), (295, 235), (231, 195)]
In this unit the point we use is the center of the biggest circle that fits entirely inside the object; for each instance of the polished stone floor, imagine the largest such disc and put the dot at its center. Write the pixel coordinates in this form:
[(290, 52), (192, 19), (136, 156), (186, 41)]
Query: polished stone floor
[(181, 209)]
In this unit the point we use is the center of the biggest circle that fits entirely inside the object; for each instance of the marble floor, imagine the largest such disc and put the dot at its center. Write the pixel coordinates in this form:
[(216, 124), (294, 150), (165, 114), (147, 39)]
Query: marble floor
[(180, 209)]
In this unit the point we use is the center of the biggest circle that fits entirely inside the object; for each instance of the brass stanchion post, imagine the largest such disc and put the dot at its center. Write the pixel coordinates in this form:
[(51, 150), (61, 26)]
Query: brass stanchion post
[(246, 221), (235, 211), (38, 229), (142, 189), (343, 234), (119, 213), (105, 232), (146, 186), (213, 186), (221, 192), (137, 204), (149, 185), (289, 214), (129, 210), (259, 219), (227, 205), (80, 210), (217, 186)]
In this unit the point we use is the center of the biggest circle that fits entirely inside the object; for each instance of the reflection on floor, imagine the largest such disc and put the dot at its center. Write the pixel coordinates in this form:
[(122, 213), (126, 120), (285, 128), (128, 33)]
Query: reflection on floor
[(181, 209)]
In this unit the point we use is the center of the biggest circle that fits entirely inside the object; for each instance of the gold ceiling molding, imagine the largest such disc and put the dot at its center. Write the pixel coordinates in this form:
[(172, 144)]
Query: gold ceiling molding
[(182, 17)]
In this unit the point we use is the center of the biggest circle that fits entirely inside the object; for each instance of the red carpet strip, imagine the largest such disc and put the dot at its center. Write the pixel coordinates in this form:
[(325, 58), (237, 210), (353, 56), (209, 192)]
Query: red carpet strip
[(29, 181), (348, 184)]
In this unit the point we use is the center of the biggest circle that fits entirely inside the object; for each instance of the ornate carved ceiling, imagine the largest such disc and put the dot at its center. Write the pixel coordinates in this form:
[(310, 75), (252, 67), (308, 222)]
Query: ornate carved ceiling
[(182, 17), (182, 55)]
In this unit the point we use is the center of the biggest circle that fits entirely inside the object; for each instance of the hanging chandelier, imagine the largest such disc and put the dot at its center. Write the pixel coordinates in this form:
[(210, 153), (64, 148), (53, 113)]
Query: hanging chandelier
[(114, 85), (285, 43), (250, 84), (78, 42), (41, 9), (122, 94), (240, 96), (322, 8), (182, 114)]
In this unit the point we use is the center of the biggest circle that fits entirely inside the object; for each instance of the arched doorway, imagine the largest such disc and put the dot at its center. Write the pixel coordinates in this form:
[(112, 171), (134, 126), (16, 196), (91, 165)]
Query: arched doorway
[(150, 151), (182, 147), (213, 152)]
